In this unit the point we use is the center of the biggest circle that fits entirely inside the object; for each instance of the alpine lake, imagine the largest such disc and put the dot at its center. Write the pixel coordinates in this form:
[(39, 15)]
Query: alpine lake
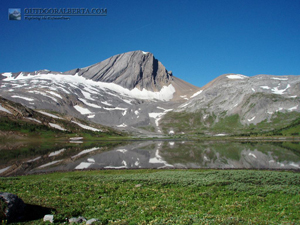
[(76, 154)]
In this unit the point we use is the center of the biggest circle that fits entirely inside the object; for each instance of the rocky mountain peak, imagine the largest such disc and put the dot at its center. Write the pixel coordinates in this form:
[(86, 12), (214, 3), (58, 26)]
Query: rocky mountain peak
[(136, 69)]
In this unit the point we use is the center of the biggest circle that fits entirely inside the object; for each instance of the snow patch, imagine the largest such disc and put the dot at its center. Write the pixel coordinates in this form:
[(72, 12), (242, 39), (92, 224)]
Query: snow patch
[(27, 99), (83, 165), (4, 109), (251, 154), (265, 87), (86, 127), (122, 150), (49, 114), (56, 126), (82, 110), (294, 165), (277, 78), (49, 164), (55, 94), (197, 93), (236, 76), (4, 169), (89, 104), (251, 119), (33, 119), (122, 125), (35, 159), (293, 108), (56, 152), (275, 90), (91, 160)]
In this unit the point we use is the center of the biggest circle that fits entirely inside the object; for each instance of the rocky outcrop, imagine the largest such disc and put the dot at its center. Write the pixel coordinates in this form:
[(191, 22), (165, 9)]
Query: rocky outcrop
[(13, 207), (130, 70)]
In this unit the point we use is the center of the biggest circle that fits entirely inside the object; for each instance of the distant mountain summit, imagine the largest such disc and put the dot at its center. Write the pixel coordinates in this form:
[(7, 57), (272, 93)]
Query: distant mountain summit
[(130, 70)]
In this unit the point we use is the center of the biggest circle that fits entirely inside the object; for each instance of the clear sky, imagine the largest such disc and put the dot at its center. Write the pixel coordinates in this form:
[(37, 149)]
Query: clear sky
[(197, 39)]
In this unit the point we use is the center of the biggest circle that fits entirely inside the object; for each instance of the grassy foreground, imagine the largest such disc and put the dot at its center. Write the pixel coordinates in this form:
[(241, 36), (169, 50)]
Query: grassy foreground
[(164, 196)]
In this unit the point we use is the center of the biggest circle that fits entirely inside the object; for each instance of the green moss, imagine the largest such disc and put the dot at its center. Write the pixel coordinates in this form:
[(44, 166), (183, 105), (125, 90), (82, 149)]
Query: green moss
[(164, 197)]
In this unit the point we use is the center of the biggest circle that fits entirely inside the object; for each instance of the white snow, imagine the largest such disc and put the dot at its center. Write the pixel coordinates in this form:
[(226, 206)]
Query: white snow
[(89, 104), (27, 99), (127, 101), (49, 114), (277, 78), (184, 97), (145, 53), (55, 94), (44, 94), (91, 116), (56, 126), (253, 89), (265, 87), (4, 109), (35, 159), (171, 132), (251, 154), (171, 143), (106, 103), (83, 165), (91, 160), (197, 93), (122, 150), (87, 95), (86, 127), (86, 151), (76, 138), (219, 135), (156, 116), (82, 110), (294, 165), (33, 119), (165, 94), (295, 96), (275, 90), (8, 76), (4, 169), (50, 163), (236, 76), (57, 152), (251, 119), (293, 108), (122, 125)]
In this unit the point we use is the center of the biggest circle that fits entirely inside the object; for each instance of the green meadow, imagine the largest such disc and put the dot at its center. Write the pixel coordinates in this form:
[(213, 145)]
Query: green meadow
[(163, 196)]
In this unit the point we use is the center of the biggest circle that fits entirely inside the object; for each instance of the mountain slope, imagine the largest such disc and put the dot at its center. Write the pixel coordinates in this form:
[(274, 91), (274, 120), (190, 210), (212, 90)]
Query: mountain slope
[(128, 91), (235, 102)]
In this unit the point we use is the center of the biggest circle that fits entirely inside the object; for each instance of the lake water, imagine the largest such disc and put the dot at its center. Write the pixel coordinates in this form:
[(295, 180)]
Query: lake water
[(150, 154)]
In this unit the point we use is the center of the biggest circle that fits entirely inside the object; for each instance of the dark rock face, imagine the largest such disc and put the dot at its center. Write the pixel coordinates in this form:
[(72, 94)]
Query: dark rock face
[(132, 69), (13, 206)]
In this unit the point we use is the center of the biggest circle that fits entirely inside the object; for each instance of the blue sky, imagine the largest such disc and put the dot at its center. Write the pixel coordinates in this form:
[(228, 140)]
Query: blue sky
[(197, 39)]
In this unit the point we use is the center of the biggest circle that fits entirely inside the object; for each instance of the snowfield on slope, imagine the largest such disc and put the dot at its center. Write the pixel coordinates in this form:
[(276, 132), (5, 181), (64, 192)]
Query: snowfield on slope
[(165, 94)]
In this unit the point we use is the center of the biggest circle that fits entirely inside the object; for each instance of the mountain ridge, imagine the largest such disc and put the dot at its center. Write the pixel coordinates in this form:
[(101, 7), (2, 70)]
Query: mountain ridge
[(134, 91)]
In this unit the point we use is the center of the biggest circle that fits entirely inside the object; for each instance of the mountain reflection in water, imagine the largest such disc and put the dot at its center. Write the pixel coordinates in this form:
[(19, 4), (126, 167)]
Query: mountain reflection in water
[(161, 154)]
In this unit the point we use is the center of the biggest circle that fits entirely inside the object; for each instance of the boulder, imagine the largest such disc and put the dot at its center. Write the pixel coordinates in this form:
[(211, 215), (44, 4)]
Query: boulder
[(12, 206)]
